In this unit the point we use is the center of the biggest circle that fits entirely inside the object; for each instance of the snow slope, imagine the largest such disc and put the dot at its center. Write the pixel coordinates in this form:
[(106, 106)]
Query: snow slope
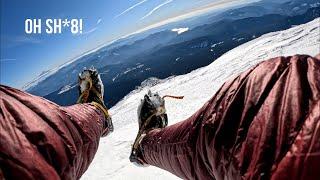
[(111, 160)]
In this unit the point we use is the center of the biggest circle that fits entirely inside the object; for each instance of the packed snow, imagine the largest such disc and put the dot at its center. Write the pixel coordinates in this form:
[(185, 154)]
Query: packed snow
[(111, 160)]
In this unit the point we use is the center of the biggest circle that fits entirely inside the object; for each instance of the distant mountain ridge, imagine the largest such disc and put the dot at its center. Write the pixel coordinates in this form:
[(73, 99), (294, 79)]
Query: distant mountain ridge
[(197, 87), (166, 53)]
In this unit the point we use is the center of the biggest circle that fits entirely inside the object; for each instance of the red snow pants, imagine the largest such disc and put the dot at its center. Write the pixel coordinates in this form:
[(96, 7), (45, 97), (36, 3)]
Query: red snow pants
[(264, 124), (41, 140)]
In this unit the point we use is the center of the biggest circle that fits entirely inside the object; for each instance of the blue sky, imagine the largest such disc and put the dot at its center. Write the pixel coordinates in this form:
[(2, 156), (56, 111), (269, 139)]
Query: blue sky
[(24, 56)]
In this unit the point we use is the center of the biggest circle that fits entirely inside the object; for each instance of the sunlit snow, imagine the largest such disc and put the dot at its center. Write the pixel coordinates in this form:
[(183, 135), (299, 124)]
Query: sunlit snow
[(180, 30), (112, 158)]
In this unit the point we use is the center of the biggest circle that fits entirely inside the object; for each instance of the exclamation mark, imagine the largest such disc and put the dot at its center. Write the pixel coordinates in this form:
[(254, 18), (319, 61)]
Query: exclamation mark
[(80, 24)]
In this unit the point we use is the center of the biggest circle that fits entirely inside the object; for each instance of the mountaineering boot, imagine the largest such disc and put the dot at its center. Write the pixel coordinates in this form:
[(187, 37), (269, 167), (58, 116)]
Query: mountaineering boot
[(151, 115), (91, 91)]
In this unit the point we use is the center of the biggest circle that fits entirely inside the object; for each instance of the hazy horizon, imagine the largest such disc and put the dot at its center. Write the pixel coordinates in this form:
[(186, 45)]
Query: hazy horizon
[(44, 52)]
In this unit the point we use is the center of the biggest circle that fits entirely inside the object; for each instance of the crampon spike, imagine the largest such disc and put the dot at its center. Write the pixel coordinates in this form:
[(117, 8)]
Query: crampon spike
[(174, 97)]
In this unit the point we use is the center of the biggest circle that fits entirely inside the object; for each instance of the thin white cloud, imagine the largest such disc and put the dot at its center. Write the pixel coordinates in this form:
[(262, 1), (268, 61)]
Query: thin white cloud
[(26, 39), (99, 21), (7, 59), (201, 10), (130, 8), (156, 8), (9, 41), (90, 31)]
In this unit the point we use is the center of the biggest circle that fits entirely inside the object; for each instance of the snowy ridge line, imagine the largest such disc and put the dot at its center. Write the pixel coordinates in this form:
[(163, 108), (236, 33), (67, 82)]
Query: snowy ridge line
[(198, 86), (38, 79), (50, 72)]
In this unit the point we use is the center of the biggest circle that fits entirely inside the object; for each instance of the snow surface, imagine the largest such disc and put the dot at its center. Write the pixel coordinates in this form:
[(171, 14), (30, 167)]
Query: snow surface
[(111, 160), (67, 88), (180, 30)]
